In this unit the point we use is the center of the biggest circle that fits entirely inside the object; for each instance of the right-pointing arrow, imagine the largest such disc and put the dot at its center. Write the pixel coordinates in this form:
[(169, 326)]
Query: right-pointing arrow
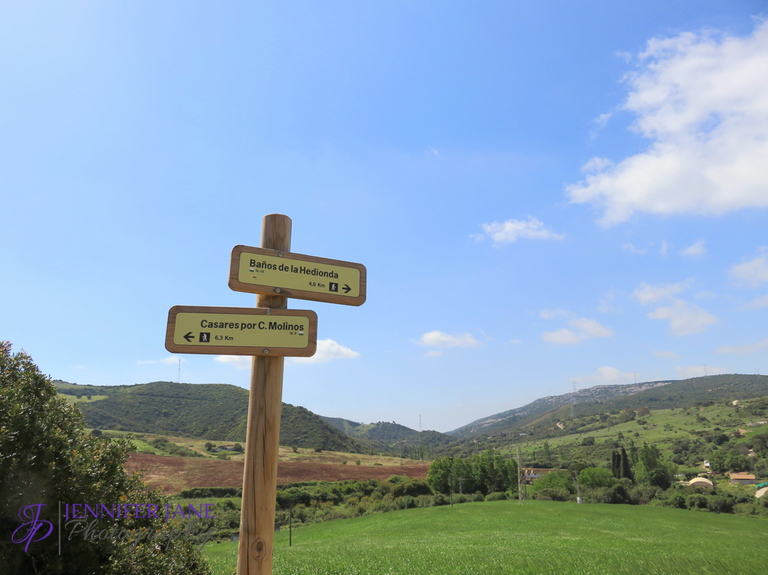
[(189, 336), (346, 288)]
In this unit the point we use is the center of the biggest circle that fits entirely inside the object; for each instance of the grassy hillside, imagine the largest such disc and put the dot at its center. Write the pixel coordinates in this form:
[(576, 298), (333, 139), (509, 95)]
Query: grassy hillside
[(212, 411), (504, 537), (601, 398)]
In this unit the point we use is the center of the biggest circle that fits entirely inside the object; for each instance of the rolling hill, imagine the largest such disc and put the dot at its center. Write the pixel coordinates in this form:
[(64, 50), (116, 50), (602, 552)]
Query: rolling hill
[(395, 436), (209, 411), (656, 395)]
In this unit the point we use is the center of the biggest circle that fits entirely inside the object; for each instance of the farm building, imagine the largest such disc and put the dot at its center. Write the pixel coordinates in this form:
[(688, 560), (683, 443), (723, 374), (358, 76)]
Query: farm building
[(701, 482), (742, 479)]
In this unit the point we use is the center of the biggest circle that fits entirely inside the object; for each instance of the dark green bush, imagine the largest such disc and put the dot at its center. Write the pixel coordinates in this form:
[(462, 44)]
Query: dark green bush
[(552, 494), (696, 501), (498, 496), (616, 494)]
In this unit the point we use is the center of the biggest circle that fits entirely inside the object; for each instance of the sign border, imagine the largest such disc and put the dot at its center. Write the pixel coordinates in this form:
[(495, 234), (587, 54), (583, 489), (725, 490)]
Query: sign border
[(236, 285), (242, 350)]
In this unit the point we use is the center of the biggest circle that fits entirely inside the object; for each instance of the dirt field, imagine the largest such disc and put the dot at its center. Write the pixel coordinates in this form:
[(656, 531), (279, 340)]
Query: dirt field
[(170, 475)]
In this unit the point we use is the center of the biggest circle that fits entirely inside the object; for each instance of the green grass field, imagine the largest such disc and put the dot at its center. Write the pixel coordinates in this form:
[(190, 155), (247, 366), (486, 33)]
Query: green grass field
[(503, 537)]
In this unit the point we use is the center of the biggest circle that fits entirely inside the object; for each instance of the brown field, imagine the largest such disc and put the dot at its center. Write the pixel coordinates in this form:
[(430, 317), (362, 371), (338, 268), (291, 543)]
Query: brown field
[(170, 475)]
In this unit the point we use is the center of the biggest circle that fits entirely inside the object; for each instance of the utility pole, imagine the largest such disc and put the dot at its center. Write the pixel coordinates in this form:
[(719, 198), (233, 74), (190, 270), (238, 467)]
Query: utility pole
[(520, 478)]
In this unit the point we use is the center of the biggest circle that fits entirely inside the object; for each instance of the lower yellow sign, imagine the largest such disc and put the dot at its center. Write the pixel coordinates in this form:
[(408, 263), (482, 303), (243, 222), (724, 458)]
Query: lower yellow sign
[(241, 331)]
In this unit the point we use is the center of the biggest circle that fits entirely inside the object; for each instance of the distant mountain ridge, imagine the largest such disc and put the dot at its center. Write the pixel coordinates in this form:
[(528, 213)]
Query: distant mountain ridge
[(391, 434), (209, 411), (655, 394)]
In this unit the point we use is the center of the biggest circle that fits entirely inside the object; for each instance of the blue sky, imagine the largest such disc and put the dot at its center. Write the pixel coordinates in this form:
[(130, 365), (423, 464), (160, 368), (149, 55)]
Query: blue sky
[(544, 194)]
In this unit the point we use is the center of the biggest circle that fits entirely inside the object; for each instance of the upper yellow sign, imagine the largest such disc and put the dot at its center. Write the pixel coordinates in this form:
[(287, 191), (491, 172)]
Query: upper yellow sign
[(265, 271), (241, 331)]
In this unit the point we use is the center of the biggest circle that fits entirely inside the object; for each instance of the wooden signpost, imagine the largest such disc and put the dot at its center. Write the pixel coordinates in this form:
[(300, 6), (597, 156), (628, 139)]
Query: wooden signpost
[(268, 333)]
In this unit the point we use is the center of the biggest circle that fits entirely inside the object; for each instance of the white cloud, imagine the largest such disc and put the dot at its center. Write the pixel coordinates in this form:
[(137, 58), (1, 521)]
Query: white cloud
[(236, 361), (664, 248), (698, 371), (328, 350), (696, 249), (606, 375), (684, 318), (510, 230), (748, 348), (757, 303), (589, 328), (514, 341), (586, 329), (440, 339), (702, 102), (626, 56), (553, 313), (752, 273), (634, 250), (600, 123), (665, 354), (434, 353), (608, 304), (647, 293), (561, 336)]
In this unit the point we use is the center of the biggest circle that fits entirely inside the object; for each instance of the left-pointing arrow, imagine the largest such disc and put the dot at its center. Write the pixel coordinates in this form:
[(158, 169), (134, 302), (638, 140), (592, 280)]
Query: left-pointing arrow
[(189, 336)]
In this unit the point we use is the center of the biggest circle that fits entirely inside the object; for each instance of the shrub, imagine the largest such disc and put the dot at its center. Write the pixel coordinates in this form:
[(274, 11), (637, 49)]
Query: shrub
[(440, 499), (616, 494), (552, 494), (498, 496), (677, 500), (478, 496), (412, 487), (719, 504), (358, 462), (696, 501)]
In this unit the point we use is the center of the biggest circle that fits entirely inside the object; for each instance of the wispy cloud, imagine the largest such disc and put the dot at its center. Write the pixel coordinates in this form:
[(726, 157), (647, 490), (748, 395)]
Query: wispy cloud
[(443, 340), (328, 350), (700, 101), (553, 313), (684, 318), (634, 250), (511, 230), (752, 273), (647, 293), (668, 354), (757, 303), (741, 349), (696, 249), (583, 329)]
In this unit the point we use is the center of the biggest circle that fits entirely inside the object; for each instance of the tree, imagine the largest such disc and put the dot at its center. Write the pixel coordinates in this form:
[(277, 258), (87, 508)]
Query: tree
[(46, 457), (555, 480), (594, 477)]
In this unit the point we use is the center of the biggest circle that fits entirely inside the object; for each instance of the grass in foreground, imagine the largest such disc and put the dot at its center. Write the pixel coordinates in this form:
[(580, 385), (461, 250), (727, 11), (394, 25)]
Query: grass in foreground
[(503, 537)]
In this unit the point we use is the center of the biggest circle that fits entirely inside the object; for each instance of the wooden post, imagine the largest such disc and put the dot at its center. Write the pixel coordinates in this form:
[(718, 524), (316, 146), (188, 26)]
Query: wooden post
[(257, 516)]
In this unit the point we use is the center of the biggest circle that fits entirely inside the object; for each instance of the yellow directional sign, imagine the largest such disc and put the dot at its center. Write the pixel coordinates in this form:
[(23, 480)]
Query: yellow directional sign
[(241, 331), (266, 271)]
